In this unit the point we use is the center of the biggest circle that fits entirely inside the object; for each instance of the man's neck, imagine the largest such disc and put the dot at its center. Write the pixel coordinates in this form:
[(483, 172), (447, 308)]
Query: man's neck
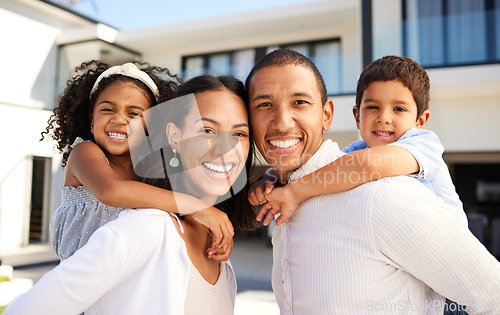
[(282, 177)]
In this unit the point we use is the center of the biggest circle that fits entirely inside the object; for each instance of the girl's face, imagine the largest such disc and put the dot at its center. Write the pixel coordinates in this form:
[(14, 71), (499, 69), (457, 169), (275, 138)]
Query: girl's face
[(213, 145), (386, 112), (115, 107)]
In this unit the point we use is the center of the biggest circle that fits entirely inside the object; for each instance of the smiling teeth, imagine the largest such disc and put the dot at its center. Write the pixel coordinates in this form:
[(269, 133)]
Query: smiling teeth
[(284, 144), (385, 134), (218, 168), (117, 135)]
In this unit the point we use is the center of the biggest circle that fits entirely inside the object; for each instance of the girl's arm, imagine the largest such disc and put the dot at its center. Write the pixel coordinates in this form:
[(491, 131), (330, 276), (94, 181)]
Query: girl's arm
[(88, 165), (345, 173)]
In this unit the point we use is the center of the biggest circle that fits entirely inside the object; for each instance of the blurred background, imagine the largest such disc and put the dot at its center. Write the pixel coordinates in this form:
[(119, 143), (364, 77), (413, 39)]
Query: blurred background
[(457, 41)]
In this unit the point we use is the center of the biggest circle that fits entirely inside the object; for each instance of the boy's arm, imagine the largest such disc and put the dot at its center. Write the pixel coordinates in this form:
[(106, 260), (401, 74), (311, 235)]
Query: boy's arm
[(426, 148), (90, 167), (345, 173), (354, 169), (417, 151)]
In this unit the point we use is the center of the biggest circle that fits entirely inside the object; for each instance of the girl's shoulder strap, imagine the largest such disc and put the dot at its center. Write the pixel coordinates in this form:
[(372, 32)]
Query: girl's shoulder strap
[(77, 141)]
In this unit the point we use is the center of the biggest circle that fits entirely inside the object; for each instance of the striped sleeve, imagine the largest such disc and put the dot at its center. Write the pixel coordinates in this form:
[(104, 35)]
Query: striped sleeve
[(426, 238)]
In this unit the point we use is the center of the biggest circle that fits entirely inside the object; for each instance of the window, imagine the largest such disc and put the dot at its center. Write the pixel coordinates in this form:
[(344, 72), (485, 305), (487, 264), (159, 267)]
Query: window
[(452, 32), (40, 184), (325, 54)]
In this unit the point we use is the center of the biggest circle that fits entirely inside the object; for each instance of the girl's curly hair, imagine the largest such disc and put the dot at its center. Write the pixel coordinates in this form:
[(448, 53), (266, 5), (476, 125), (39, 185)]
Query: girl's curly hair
[(71, 116)]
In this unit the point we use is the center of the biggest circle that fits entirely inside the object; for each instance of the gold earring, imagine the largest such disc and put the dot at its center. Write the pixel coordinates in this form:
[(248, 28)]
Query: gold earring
[(174, 162)]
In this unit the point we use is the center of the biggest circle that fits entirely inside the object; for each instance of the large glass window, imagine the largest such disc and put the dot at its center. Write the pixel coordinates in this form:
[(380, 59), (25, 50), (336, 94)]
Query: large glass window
[(325, 54), (452, 32)]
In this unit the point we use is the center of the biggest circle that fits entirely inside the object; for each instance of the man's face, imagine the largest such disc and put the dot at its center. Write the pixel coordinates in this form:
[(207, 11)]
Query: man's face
[(287, 116)]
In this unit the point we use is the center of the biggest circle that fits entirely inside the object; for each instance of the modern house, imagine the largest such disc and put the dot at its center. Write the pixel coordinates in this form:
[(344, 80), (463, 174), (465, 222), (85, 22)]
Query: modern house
[(458, 42)]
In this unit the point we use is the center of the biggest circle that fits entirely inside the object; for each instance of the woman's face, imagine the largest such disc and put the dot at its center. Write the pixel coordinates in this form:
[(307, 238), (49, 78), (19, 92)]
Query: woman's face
[(213, 145)]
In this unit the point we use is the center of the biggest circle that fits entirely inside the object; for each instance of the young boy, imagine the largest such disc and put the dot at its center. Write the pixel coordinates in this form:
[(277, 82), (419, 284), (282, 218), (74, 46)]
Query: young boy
[(392, 101)]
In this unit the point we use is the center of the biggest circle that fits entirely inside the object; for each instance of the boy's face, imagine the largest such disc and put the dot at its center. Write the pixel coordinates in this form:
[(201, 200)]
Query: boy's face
[(386, 112)]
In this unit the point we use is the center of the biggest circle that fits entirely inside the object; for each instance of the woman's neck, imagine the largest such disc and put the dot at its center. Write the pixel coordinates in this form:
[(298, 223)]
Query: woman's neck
[(188, 189)]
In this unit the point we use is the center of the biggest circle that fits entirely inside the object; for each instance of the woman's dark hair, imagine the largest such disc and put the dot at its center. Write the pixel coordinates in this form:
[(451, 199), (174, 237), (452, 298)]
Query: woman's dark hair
[(71, 116), (236, 206)]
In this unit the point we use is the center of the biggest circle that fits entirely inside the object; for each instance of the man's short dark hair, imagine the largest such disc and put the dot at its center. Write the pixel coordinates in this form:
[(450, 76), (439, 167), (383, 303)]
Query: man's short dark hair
[(285, 57), (403, 69)]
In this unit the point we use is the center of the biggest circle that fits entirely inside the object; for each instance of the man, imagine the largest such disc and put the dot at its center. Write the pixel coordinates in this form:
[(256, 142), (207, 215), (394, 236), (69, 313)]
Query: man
[(376, 248)]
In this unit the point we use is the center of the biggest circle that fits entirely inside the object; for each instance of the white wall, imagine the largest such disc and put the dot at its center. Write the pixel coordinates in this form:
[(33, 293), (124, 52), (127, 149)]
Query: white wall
[(465, 106), (387, 31), (29, 58), (29, 63), (21, 128)]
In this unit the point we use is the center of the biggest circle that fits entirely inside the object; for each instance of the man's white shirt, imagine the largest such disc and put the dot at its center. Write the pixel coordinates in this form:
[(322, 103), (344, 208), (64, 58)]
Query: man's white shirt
[(389, 246)]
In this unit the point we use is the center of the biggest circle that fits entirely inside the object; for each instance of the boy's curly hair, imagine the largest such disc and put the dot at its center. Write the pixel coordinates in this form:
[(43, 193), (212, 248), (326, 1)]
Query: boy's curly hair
[(71, 116)]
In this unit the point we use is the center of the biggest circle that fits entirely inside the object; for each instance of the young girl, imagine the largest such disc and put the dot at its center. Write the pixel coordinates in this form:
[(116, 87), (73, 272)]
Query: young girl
[(91, 122)]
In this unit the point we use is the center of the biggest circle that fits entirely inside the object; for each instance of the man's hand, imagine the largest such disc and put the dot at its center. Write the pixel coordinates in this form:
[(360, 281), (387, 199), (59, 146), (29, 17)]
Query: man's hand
[(220, 226)]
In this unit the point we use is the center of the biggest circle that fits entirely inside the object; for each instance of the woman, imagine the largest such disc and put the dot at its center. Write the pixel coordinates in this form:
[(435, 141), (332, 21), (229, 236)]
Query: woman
[(149, 261)]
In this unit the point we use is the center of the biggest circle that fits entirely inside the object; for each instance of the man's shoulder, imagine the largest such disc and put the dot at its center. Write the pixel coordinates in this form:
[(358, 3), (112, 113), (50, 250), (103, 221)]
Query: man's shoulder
[(404, 184), (392, 189), (403, 195)]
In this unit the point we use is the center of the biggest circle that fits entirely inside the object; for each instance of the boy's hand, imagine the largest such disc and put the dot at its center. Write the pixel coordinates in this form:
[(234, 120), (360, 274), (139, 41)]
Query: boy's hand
[(220, 226), (221, 253), (280, 200), (256, 193)]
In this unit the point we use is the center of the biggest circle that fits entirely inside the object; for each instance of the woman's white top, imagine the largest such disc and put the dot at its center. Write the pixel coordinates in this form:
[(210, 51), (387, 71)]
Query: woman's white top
[(136, 264), (211, 299)]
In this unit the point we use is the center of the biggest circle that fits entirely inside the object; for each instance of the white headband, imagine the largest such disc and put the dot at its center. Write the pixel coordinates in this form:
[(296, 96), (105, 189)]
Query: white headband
[(129, 70)]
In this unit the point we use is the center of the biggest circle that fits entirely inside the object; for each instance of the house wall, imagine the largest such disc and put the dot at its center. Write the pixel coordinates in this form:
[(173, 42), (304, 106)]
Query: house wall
[(29, 66), (465, 101)]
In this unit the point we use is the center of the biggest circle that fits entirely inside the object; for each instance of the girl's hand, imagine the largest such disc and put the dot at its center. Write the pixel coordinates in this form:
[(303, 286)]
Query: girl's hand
[(256, 193), (221, 253), (280, 200), (220, 226)]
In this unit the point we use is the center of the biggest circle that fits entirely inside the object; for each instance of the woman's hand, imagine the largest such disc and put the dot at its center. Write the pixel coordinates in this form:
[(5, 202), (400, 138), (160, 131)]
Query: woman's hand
[(219, 225)]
